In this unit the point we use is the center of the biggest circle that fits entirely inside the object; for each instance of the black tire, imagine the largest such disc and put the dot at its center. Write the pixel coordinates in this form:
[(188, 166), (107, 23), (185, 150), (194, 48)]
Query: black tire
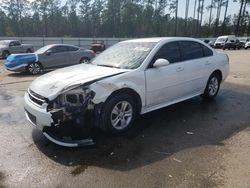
[(5, 54), (84, 60), (120, 123), (34, 68), (28, 51), (212, 88)]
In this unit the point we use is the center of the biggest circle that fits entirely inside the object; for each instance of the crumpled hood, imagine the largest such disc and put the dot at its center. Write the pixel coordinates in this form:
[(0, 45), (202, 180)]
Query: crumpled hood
[(52, 84)]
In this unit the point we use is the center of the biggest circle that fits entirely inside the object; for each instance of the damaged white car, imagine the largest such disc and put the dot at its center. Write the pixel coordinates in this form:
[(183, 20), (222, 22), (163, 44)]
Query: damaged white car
[(130, 78)]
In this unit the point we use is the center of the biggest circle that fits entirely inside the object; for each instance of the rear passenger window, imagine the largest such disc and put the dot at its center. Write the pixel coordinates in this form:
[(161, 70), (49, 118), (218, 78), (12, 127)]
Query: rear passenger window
[(169, 51), (60, 49), (191, 50), (207, 52), (71, 48)]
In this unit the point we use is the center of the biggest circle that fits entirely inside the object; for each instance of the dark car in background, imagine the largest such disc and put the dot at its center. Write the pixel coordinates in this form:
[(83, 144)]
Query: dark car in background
[(232, 44), (98, 46), (48, 57)]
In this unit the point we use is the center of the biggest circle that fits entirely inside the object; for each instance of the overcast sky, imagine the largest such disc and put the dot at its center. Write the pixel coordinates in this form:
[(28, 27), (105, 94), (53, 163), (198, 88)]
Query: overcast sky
[(232, 8)]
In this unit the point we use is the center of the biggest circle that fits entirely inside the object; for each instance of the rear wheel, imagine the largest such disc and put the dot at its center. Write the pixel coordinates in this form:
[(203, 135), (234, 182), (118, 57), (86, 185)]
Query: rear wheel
[(213, 86), (84, 60), (34, 68), (5, 54), (28, 51), (119, 113)]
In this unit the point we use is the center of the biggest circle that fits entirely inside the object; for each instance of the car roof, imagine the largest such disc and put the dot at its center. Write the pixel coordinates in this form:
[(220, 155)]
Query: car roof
[(9, 40), (159, 39), (53, 45), (225, 36)]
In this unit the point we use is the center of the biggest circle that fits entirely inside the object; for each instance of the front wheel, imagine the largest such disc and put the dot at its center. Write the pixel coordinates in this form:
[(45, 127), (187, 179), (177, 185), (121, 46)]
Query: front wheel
[(34, 68), (119, 113), (5, 54), (213, 86), (28, 51)]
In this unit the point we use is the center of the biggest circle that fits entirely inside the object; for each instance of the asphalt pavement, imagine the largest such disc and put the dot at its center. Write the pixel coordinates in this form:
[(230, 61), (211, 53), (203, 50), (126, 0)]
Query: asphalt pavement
[(194, 143)]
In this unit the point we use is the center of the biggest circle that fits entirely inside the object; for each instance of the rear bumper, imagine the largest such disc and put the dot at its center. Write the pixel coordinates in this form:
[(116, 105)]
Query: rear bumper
[(225, 72)]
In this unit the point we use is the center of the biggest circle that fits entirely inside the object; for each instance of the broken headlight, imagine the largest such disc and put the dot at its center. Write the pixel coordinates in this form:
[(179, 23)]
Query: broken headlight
[(74, 100)]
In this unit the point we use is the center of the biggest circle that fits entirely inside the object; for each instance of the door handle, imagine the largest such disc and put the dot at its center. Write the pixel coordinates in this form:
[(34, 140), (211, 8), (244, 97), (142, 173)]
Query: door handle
[(179, 69)]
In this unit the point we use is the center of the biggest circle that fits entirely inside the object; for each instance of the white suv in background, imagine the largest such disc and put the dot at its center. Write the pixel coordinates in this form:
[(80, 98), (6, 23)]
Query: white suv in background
[(130, 78), (247, 45), (221, 40)]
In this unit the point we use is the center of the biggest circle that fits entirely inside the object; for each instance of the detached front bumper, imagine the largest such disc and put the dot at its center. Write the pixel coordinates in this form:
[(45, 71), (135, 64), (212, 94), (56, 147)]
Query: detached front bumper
[(37, 115), (41, 119)]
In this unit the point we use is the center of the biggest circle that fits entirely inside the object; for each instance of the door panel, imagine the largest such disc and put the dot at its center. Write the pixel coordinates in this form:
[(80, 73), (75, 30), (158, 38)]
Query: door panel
[(165, 84), (57, 58), (186, 76), (74, 55), (197, 66), (15, 47)]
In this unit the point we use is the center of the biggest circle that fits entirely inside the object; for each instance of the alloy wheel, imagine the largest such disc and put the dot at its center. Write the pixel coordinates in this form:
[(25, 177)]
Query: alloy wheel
[(121, 115)]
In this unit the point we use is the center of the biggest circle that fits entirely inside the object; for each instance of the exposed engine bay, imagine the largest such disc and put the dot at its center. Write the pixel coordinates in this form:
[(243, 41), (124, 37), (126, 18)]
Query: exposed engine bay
[(72, 113), (70, 105)]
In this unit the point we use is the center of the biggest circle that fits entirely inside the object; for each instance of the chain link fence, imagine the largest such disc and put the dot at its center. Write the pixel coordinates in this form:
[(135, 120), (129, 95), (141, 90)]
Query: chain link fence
[(39, 42)]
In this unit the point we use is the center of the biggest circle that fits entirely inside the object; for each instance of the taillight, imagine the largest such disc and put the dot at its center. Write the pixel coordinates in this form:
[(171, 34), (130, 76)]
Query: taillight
[(227, 58), (93, 53)]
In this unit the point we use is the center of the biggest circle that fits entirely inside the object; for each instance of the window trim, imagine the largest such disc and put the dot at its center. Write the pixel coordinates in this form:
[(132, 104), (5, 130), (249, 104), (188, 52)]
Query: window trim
[(151, 63), (203, 46), (203, 55), (61, 52), (72, 50)]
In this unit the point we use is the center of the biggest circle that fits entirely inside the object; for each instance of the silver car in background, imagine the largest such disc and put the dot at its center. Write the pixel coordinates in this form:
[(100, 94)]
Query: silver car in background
[(48, 57), (8, 47)]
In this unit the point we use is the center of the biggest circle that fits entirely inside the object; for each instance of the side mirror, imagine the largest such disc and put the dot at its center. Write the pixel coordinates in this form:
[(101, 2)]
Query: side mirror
[(161, 62), (48, 52)]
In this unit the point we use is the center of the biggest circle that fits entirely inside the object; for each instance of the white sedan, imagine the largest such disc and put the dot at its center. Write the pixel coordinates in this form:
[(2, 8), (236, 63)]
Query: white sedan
[(130, 78)]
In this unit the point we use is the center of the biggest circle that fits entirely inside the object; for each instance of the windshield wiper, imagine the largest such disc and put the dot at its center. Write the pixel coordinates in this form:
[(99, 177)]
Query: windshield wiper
[(108, 66)]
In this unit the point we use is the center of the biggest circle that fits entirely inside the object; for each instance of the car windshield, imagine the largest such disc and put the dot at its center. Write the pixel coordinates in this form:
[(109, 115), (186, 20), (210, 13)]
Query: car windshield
[(124, 55), (221, 39), (4, 43), (43, 49), (243, 40)]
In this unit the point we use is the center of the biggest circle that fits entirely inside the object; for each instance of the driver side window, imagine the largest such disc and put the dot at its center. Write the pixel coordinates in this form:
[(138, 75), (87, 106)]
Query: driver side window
[(17, 43), (170, 52), (11, 44)]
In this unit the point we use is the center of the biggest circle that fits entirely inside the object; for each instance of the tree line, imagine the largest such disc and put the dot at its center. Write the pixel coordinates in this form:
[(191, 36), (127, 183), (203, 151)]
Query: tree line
[(121, 18)]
